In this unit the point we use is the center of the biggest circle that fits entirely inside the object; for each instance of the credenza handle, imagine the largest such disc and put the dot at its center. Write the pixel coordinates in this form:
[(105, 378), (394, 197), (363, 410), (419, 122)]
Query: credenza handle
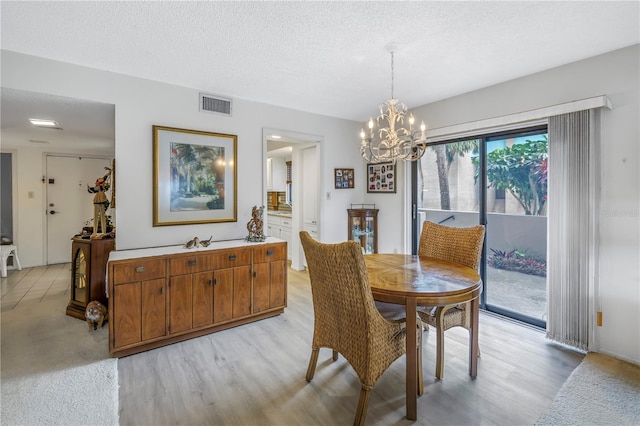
[(269, 252), (191, 262), (232, 257), (140, 269)]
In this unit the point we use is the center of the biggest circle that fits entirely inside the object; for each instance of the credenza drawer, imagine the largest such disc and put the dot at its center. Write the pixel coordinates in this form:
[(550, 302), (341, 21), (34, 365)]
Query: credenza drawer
[(233, 258), (138, 271), (268, 253), (189, 264)]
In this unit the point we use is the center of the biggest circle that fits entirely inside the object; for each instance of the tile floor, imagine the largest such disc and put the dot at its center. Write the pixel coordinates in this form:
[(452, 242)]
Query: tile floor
[(32, 284)]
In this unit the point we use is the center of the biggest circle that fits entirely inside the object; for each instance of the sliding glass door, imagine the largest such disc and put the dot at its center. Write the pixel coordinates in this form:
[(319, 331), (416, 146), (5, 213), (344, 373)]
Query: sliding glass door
[(500, 181)]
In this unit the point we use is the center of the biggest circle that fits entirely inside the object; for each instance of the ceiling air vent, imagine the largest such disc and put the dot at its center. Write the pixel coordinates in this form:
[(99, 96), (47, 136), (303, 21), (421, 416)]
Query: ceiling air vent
[(216, 104)]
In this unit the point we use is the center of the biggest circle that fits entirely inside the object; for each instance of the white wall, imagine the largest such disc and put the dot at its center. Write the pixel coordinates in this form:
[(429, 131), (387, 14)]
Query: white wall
[(616, 75), (141, 103)]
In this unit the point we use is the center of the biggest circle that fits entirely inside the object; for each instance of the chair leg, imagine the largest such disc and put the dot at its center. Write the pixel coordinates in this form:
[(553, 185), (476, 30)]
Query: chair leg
[(16, 261), (312, 363), (3, 266), (440, 343), (335, 355), (363, 403)]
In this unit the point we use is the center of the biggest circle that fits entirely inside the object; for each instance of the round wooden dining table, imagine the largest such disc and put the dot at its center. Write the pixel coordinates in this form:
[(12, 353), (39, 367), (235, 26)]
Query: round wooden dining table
[(414, 281)]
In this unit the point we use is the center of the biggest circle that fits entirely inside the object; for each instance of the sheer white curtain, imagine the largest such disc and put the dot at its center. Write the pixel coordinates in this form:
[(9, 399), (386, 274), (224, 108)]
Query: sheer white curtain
[(572, 221)]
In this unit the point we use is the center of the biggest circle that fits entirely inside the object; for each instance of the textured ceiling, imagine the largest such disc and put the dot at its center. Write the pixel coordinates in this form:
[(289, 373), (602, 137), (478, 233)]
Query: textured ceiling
[(322, 57)]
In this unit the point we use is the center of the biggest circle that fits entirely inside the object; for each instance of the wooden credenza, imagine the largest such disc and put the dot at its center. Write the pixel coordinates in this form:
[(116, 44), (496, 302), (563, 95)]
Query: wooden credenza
[(165, 295)]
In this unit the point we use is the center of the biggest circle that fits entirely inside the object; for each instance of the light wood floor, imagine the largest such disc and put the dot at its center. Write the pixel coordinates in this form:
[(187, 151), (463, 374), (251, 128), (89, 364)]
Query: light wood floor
[(254, 374)]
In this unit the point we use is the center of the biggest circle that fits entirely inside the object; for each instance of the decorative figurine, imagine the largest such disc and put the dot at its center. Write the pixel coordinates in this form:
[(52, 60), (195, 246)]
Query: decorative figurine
[(100, 203), (255, 225), (205, 243), (195, 243)]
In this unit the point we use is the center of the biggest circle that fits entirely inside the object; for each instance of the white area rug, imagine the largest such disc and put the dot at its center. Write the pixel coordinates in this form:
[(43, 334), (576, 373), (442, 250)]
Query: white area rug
[(54, 370), (601, 391)]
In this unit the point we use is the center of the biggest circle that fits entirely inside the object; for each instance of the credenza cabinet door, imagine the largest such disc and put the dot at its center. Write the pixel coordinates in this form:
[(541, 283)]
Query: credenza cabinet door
[(222, 295), (277, 284), (202, 299), (154, 309), (260, 287), (180, 303), (139, 312), (241, 291), (127, 314)]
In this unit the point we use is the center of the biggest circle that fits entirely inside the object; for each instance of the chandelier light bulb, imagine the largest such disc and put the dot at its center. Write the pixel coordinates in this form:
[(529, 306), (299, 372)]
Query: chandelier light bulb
[(411, 120), (370, 123)]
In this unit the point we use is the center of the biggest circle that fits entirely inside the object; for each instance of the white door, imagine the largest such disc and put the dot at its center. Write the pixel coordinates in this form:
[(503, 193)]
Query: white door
[(69, 204)]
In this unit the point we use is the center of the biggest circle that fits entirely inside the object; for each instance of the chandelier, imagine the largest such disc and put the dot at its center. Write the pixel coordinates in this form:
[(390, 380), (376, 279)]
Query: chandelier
[(387, 138)]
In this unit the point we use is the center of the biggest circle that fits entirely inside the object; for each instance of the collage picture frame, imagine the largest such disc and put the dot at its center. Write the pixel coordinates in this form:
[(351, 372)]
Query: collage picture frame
[(381, 177), (344, 178)]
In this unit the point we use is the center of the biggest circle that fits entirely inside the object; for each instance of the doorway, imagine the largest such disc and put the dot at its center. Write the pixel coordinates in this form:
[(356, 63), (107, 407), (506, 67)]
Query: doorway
[(69, 205), (302, 187), (6, 197)]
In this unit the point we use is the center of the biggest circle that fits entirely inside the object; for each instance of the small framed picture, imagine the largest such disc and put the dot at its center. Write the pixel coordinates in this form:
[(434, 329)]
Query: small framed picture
[(381, 177), (343, 178)]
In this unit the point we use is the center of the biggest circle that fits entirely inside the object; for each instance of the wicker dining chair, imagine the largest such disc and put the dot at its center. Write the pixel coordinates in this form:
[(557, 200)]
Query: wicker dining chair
[(346, 319), (460, 245)]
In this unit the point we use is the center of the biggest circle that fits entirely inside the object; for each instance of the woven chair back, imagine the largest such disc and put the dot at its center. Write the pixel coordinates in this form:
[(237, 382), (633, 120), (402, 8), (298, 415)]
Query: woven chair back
[(460, 245), (344, 309)]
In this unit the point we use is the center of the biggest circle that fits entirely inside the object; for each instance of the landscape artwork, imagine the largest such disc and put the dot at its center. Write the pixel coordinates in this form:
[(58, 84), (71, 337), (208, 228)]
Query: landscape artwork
[(197, 177), (194, 176)]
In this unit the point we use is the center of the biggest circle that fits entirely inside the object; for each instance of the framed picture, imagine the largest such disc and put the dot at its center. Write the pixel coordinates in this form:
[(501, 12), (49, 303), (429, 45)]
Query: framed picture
[(194, 177), (381, 177), (343, 178)]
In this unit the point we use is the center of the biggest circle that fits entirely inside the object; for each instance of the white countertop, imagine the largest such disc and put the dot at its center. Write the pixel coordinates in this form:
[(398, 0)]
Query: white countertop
[(178, 249)]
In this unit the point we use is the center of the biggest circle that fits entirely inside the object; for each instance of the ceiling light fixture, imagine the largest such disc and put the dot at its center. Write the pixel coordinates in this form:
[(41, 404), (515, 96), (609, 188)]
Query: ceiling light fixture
[(41, 122), (388, 142)]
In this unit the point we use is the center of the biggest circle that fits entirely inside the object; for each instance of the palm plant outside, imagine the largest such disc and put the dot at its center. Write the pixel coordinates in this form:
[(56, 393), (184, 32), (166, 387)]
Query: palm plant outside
[(522, 171), (445, 155)]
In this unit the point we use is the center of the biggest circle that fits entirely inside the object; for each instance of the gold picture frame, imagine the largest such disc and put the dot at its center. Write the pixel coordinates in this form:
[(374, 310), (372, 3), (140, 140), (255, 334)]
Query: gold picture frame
[(195, 177)]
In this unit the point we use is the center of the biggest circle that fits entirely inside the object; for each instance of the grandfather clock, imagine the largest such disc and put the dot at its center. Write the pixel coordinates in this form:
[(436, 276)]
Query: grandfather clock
[(88, 273)]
